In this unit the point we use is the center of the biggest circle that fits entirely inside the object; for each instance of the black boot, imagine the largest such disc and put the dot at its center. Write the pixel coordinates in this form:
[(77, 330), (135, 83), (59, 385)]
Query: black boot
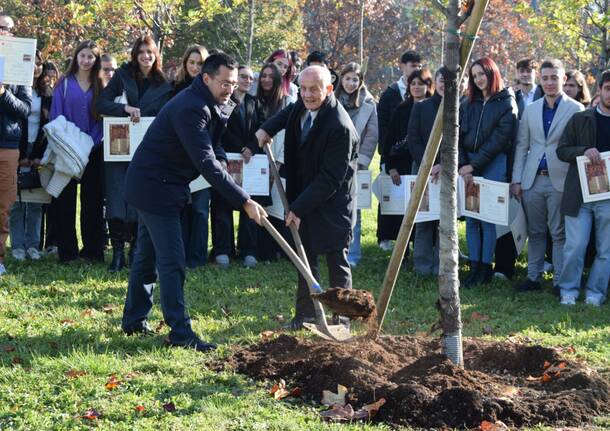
[(131, 232), (485, 274), (472, 275), (115, 228)]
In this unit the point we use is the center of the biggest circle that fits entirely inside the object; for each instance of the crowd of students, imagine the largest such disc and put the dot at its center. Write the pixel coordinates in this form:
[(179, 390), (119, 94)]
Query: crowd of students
[(528, 135)]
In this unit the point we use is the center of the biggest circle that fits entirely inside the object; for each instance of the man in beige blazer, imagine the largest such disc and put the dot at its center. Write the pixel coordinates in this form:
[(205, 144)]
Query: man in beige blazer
[(538, 175)]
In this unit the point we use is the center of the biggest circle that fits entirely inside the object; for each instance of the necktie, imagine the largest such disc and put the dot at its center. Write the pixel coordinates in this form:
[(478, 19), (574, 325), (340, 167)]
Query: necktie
[(306, 128)]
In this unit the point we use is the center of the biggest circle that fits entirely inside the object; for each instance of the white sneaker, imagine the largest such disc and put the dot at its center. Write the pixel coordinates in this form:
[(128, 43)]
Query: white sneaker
[(2, 269), (386, 245), (18, 254), (568, 300), (596, 302), (33, 253), (222, 260), (548, 266), (250, 261)]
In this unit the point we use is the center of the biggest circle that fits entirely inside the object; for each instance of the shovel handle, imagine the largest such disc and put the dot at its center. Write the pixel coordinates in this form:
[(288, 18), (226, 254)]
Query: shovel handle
[(280, 188), (314, 287)]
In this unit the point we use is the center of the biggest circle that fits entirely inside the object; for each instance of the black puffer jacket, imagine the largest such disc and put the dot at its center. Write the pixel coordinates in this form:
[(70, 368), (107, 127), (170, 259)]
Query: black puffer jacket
[(487, 129), (15, 105)]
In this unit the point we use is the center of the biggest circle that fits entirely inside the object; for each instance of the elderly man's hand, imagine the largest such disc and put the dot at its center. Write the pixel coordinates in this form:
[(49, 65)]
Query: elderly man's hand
[(292, 218), (263, 138)]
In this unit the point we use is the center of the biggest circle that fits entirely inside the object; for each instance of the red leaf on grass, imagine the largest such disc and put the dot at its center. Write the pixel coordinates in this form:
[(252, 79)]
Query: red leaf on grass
[(139, 408), (296, 392), (169, 407), (67, 322), (479, 317), (339, 413), (87, 313), (369, 410), (72, 373), (91, 414), (112, 383)]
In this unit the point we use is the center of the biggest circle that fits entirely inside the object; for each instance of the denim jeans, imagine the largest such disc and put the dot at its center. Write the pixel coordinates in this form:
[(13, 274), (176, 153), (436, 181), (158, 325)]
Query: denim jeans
[(480, 235), (195, 228), (159, 245), (25, 219), (355, 249), (578, 230)]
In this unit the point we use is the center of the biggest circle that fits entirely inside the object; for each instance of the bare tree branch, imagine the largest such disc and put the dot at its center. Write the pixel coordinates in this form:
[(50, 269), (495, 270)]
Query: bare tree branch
[(440, 6)]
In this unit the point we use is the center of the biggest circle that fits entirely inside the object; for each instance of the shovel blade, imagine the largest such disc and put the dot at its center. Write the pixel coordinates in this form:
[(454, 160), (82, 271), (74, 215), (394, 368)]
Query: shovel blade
[(335, 332)]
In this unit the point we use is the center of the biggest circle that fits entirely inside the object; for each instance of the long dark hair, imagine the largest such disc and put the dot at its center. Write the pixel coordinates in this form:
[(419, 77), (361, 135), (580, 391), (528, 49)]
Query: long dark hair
[(584, 95), (156, 73), (94, 73), (424, 76), (183, 75), (354, 98), (272, 100), (41, 85)]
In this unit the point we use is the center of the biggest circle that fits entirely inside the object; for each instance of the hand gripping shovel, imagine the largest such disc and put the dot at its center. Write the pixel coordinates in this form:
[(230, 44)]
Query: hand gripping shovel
[(328, 332)]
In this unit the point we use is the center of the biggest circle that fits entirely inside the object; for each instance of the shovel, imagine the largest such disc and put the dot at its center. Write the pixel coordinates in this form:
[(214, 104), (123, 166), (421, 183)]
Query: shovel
[(322, 328), (332, 332)]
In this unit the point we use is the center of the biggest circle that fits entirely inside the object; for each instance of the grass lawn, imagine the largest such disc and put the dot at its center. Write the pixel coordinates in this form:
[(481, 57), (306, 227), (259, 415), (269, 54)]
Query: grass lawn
[(60, 343)]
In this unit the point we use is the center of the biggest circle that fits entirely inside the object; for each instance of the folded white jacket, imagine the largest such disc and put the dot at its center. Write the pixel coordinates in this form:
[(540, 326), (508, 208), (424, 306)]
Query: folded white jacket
[(66, 156)]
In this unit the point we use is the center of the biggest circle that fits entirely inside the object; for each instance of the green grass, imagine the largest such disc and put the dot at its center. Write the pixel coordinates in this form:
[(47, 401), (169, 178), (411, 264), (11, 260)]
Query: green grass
[(44, 318)]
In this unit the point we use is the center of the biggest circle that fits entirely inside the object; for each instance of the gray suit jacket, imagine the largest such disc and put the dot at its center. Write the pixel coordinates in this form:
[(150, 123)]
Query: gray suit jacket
[(532, 144)]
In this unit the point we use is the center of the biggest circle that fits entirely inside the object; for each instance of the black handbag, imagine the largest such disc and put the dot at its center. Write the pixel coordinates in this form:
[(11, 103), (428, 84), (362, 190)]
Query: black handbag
[(28, 180)]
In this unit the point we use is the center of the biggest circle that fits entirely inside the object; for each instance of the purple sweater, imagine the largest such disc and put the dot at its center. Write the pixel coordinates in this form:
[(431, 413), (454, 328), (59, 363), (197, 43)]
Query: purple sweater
[(76, 106)]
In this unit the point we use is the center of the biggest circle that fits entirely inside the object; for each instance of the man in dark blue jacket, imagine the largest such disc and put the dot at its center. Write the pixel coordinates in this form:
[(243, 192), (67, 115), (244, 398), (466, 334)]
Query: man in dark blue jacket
[(178, 147), (15, 101)]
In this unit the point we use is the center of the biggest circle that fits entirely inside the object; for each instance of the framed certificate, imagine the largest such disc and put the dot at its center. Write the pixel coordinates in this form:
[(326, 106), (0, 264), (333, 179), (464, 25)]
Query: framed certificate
[(253, 176), (484, 200), (122, 137), (17, 60), (594, 180), (364, 189)]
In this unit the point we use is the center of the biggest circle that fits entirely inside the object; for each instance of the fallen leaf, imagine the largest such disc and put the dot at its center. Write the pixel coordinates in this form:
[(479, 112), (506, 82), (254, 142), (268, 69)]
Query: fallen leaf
[(108, 308), (545, 378), (493, 426), (547, 364), (16, 360), (330, 398), (562, 365), (139, 408), (160, 326), (369, 410), (72, 373), (112, 383), (266, 335), (169, 407), (296, 392), (67, 322), (279, 390), (509, 391), (339, 413), (532, 379), (571, 349), (479, 317), (87, 313), (91, 414), (8, 348)]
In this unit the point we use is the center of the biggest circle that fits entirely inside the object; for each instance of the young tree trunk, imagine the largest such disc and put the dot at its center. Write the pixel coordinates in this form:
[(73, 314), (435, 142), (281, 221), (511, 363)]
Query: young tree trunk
[(361, 34), (250, 30), (449, 298)]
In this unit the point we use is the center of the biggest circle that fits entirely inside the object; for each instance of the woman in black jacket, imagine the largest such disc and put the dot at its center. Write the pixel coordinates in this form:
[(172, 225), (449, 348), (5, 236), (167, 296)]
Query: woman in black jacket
[(137, 89), (396, 154), (488, 126), (26, 217)]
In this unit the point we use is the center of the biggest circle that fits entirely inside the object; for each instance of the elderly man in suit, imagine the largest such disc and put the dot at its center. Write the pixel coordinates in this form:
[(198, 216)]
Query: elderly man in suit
[(320, 155), (180, 145), (538, 174)]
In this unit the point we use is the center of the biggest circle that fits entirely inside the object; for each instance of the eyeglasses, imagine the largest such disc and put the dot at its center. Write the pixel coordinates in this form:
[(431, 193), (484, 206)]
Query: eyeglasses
[(108, 69), (227, 85)]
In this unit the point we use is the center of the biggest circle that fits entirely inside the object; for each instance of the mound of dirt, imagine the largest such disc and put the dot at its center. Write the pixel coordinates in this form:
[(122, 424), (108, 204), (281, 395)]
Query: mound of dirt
[(517, 384)]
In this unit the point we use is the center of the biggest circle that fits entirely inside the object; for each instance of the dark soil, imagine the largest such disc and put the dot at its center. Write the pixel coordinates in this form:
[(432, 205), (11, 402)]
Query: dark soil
[(424, 389), (353, 303)]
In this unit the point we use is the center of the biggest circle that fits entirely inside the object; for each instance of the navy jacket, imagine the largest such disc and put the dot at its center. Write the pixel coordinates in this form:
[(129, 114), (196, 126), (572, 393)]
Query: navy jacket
[(421, 123), (178, 147), (320, 181), (15, 106)]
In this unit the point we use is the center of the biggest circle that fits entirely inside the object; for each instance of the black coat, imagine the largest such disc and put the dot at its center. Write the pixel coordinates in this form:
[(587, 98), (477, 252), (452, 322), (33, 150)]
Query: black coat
[(178, 147), (150, 103), (487, 129), (420, 126), (395, 151), (388, 102), (241, 127), (320, 173), (40, 144), (15, 105)]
